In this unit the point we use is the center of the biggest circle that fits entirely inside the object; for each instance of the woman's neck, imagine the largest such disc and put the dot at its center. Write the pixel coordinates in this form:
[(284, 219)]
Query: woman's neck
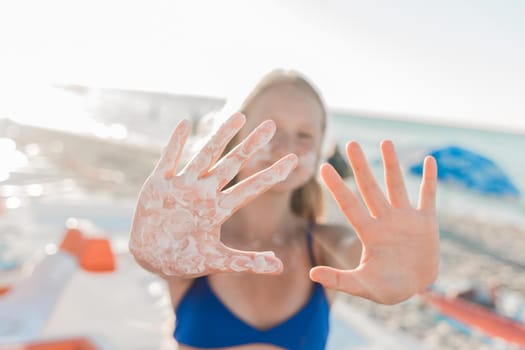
[(265, 222)]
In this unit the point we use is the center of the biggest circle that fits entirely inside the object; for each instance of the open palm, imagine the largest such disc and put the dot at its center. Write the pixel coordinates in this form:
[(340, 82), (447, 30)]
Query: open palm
[(400, 255), (176, 227)]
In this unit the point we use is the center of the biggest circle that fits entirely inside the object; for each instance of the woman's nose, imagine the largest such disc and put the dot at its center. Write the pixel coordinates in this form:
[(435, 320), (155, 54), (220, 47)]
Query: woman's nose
[(281, 143)]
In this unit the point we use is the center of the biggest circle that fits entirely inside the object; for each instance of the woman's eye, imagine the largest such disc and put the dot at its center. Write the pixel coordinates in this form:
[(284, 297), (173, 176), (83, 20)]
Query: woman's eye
[(304, 135)]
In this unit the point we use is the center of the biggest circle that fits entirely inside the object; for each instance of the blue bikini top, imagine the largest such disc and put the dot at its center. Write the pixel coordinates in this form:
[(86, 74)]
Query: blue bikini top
[(203, 321)]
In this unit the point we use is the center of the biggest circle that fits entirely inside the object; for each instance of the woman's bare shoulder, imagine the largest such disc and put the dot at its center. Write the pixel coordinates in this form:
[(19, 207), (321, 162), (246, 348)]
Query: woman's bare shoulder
[(178, 288), (333, 232)]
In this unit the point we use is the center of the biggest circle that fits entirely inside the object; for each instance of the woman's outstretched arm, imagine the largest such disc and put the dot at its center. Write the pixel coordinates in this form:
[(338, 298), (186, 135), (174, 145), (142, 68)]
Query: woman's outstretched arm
[(399, 244)]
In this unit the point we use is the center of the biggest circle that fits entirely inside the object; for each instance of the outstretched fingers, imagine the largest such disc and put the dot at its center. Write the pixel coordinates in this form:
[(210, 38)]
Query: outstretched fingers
[(347, 200), (229, 166), (370, 190), (170, 155), (246, 190), (427, 191), (395, 185), (209, 154)]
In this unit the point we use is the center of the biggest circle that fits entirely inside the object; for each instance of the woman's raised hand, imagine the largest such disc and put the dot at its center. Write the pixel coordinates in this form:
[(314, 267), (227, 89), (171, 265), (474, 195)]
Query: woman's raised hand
[(400, 244), (176, 226)]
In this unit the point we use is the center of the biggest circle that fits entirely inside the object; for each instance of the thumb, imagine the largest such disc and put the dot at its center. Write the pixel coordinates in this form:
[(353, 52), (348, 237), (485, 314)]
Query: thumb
[(255, 262), (347, 281)]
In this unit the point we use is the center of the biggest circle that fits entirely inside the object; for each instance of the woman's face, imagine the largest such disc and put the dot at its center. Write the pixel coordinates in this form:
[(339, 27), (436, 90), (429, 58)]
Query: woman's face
[(299, 120)]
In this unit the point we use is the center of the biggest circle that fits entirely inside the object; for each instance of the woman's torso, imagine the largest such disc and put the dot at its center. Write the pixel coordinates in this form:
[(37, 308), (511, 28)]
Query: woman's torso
[(263, 302)]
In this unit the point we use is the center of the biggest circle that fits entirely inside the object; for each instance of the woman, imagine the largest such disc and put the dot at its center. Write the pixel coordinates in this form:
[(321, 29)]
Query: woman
[(262, 275)]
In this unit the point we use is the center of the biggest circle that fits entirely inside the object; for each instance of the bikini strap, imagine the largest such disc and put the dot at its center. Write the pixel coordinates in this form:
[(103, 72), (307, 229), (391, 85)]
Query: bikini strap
[(309, 241)]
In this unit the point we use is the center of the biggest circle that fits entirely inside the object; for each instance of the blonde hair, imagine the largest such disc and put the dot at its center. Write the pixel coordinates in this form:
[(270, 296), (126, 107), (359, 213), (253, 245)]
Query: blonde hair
[(307, 201)]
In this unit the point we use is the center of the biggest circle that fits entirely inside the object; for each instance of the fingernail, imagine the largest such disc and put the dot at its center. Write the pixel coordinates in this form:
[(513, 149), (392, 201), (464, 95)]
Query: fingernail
[(325, 277)]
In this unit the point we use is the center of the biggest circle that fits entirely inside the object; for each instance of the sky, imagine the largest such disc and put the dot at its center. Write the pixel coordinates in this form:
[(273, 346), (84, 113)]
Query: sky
[(450, 62)]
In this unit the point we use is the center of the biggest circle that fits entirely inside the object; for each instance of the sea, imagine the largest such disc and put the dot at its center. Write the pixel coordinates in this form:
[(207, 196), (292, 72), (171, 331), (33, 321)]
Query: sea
[(413, 140)]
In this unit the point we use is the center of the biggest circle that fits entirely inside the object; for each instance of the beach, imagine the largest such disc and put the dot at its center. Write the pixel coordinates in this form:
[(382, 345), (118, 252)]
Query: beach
[(459, 263), (64, 175)]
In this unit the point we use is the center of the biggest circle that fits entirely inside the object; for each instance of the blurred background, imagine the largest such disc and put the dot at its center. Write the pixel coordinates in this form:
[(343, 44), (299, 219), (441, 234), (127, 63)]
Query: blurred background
[(90, 91)]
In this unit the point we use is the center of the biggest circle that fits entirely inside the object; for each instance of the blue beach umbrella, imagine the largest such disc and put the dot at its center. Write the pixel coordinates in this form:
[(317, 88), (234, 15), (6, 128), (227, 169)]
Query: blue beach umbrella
[(471, 170)]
